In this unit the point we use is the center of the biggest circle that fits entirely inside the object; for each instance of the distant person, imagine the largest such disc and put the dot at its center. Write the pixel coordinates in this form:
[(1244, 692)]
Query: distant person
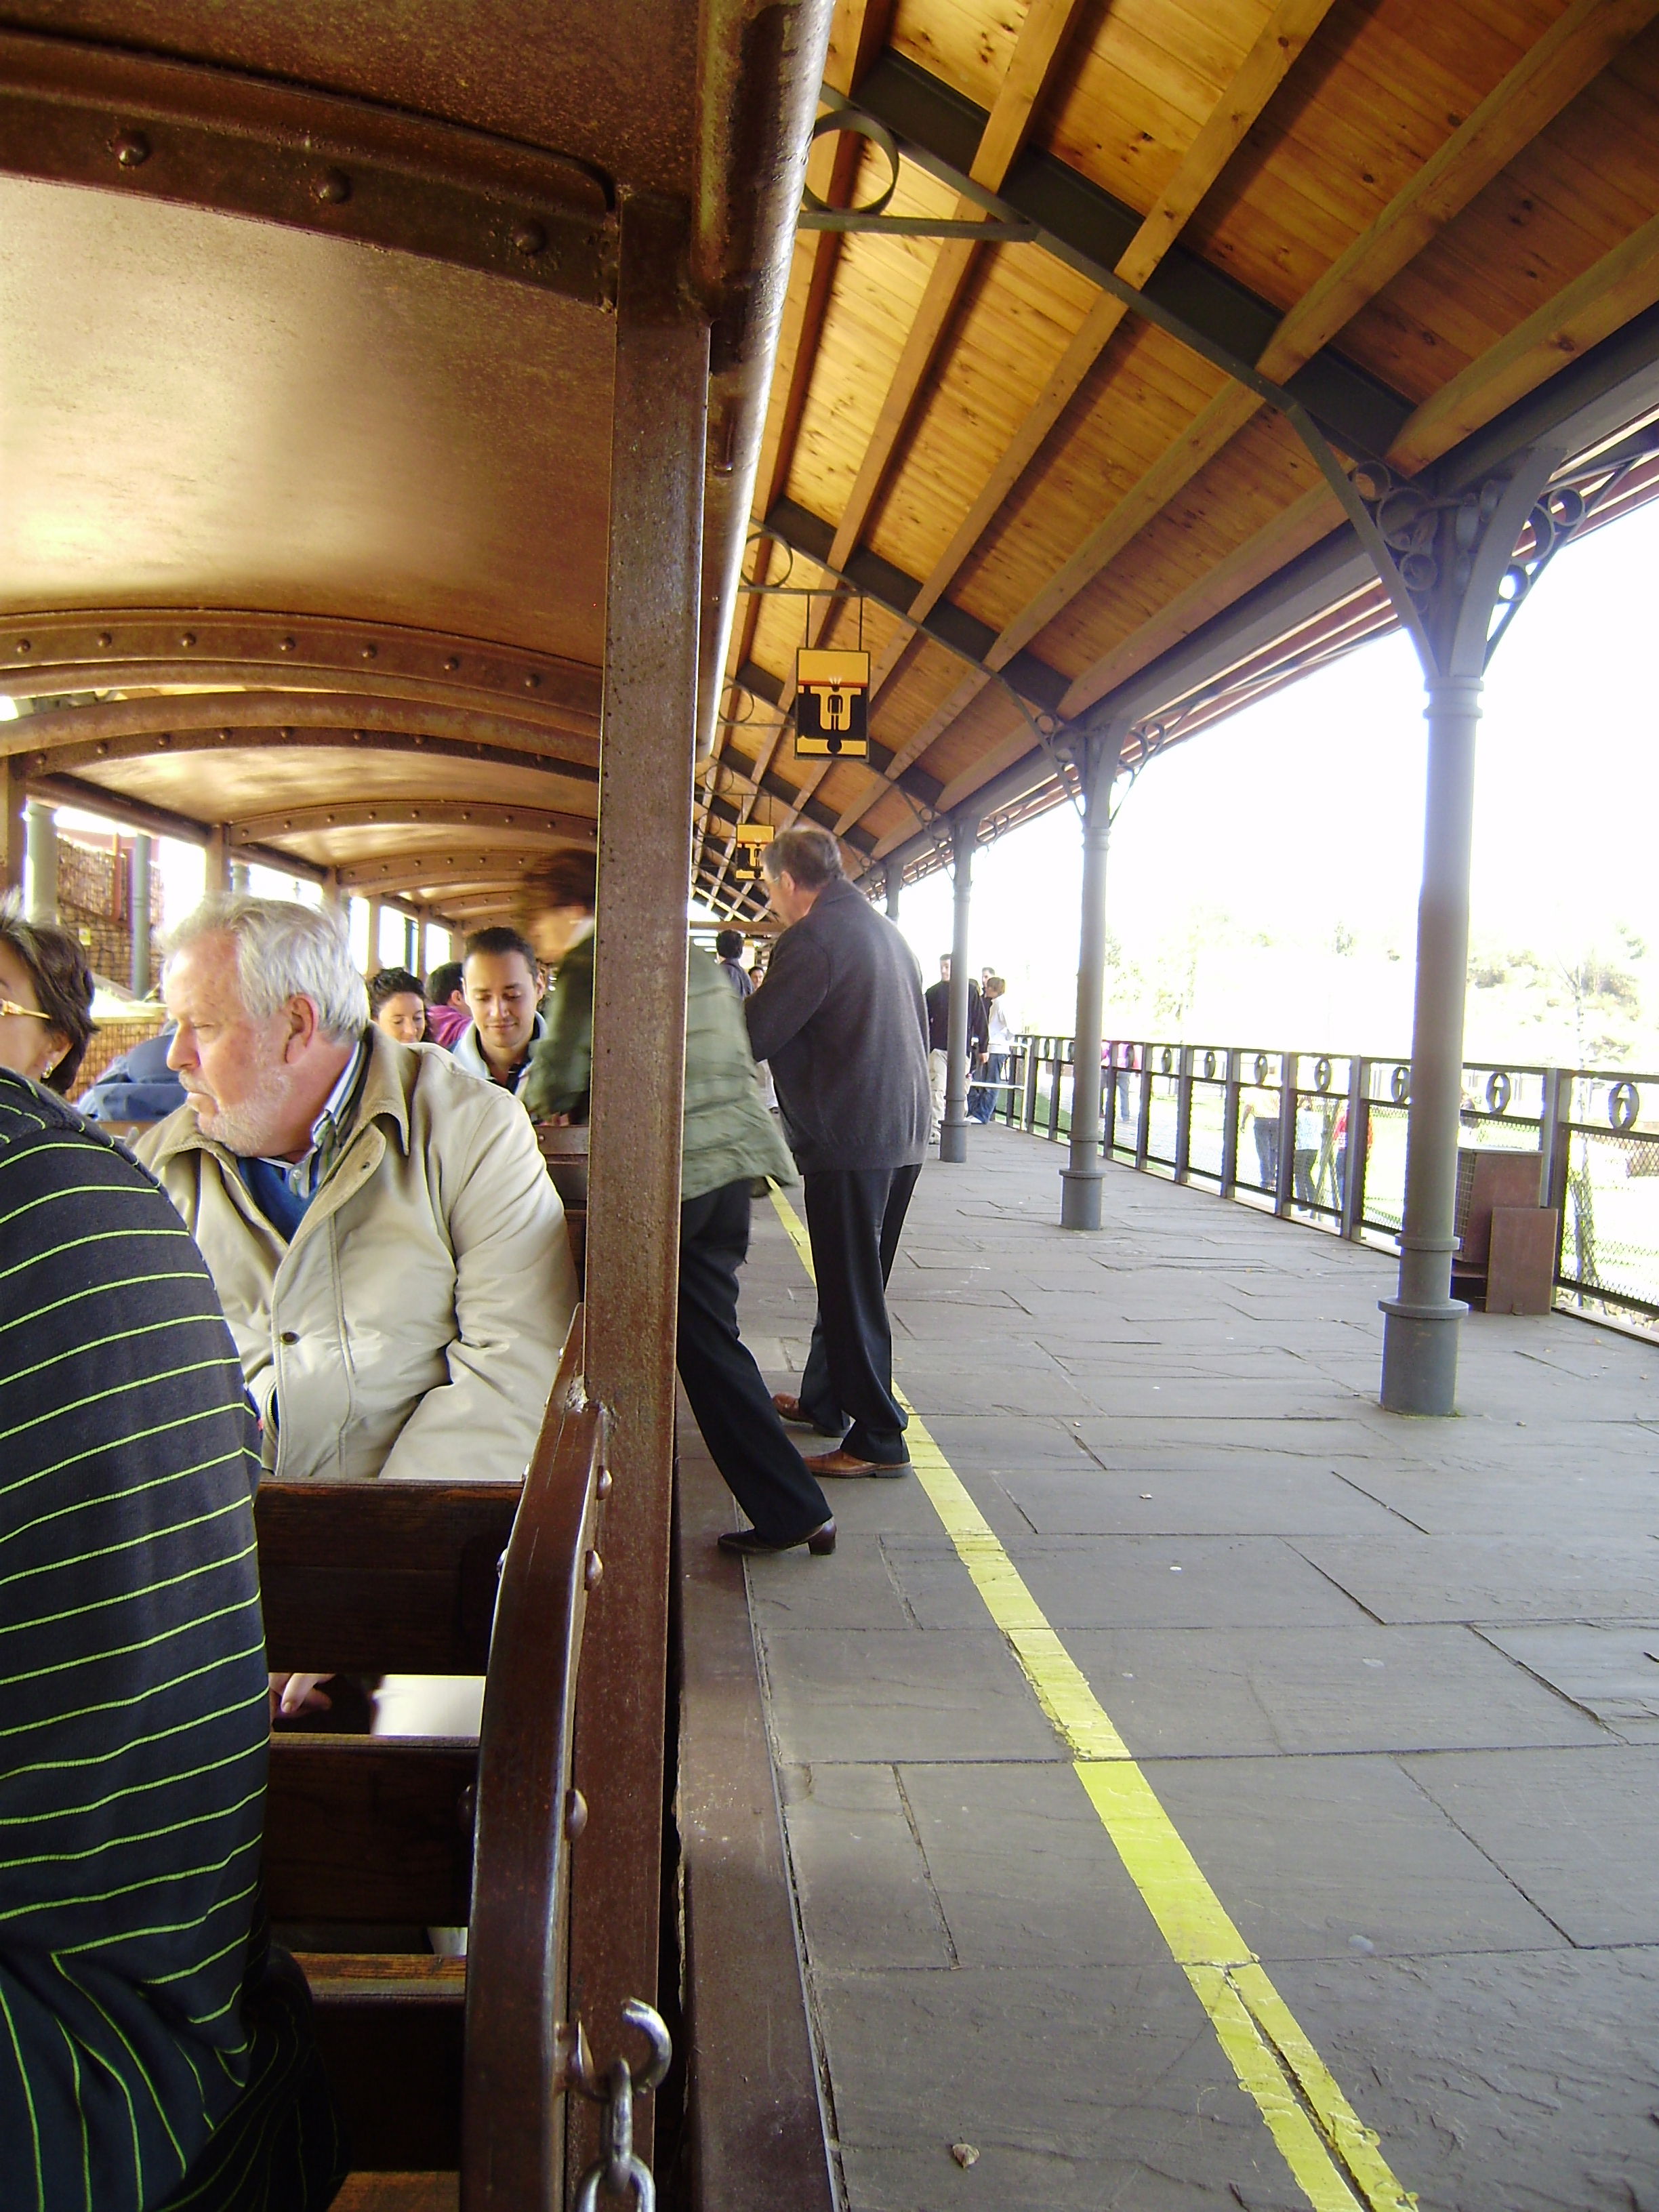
[(156, 2050), (561, 895), (729, 947), (729, 1141), (938, 1038), (46, 1001), (397, 1004), (499, 977), (447, 1017), (985, 1097), (389, 1254), (841, 1019)]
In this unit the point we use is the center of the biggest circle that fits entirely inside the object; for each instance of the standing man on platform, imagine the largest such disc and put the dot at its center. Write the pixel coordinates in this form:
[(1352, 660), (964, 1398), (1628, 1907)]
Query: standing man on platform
[(938, 1038), (841, 1019)]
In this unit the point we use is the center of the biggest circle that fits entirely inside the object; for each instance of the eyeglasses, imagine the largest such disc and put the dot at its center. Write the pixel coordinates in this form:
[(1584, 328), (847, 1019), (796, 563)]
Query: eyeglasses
[(29, 1013)]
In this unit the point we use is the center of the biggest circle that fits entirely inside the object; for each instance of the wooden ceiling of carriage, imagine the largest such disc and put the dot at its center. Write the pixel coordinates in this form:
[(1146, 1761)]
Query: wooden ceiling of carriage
[(307, 328), (1416, 215)]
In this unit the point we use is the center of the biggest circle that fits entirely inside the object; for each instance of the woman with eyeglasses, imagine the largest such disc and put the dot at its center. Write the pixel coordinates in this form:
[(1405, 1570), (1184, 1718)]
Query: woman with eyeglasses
[(46, 1001)]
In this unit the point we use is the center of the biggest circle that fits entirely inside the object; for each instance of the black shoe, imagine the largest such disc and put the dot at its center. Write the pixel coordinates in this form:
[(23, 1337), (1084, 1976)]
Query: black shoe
[(749, 1544)]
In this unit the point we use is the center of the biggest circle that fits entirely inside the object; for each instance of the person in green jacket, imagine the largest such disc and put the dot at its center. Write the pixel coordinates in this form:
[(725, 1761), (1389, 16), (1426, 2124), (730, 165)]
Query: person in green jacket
[(730, 1140)]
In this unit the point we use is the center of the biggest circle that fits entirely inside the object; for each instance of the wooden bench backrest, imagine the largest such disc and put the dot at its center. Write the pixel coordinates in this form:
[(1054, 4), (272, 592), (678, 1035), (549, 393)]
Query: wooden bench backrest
[(380, 1830)]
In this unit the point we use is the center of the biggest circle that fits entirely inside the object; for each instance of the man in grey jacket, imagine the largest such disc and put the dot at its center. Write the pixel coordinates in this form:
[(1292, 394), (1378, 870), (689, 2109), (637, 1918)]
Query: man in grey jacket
[(840, 1019)]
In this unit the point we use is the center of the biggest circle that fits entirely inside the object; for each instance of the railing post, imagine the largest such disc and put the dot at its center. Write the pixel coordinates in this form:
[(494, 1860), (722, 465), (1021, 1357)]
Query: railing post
[(1033, 1065), (1555, 1148), (1108, 1100), (1231, 1098), (1144, 1121), (953, 1129), (1184, 1143), (1357, 1150), (1053, 1091), (1285, 1195)]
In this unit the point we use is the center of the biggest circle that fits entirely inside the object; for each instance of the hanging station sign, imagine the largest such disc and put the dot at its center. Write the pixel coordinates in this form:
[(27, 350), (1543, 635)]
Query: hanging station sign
[(832, 704), (751, 839)]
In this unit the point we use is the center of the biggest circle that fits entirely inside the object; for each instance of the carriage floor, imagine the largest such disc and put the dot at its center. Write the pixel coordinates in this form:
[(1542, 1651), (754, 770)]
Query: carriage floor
[(1374, 1700)]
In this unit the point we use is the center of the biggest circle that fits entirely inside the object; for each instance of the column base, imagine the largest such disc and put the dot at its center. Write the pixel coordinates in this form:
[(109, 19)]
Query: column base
[(953, 1143), (1080, 1197), (1420, 1357)]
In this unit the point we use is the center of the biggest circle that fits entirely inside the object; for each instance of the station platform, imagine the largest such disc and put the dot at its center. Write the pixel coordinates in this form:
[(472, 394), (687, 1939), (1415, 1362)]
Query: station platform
[(1199, 1788)]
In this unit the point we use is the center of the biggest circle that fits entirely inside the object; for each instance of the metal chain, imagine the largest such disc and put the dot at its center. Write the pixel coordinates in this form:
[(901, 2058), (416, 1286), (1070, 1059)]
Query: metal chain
[(618, 2170)]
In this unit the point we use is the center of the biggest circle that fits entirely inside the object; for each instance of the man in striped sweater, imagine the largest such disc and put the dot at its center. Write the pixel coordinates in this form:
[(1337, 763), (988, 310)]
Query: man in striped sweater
[(153, 2052)]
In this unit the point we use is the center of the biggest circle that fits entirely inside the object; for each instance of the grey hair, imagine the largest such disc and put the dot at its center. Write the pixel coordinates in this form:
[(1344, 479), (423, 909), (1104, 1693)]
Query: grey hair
[(284, 951)]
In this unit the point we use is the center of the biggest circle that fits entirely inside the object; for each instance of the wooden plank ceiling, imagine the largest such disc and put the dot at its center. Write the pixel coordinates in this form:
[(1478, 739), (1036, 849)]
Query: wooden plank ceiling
[(1422, 210)]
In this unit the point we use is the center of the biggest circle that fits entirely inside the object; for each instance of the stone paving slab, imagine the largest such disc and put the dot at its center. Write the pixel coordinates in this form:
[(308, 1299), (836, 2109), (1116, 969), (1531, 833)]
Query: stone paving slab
[(1496, 1578), (1201, 1693), (1573, 1830), (1351, 1762)]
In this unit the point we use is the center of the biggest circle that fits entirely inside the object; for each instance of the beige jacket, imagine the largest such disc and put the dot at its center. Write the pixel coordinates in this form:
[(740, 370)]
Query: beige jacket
[(413, 1326)]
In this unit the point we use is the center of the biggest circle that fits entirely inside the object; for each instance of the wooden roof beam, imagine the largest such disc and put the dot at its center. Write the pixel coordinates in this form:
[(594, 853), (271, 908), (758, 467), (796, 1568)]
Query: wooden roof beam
[(423, 872), (1550, 74)]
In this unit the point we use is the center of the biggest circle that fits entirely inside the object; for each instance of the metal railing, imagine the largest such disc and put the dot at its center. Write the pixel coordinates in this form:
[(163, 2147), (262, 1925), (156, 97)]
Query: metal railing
[(1321, 1137)]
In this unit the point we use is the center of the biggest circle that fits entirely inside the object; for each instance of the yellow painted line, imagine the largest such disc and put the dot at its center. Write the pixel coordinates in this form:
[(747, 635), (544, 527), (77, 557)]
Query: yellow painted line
[(1335, 2159)]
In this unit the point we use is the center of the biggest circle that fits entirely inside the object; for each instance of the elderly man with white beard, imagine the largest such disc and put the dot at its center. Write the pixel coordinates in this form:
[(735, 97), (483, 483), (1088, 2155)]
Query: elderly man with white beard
[(389, 1251)]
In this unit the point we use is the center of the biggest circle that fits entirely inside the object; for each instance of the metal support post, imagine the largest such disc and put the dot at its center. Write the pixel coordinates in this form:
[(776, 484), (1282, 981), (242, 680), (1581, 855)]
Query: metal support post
[(376, 910), (953, 1130), (1230, 1099), (1285, 1192), (14, 841), (422, 941), (1080, 1178), (894, 878), (1033, 1060), (336, 901), (138, 881), (411, 950), (41, 895), (647, 739), (1457, 565), (1144, 1118), (238, 878), (1108, 1102), (215, 864)]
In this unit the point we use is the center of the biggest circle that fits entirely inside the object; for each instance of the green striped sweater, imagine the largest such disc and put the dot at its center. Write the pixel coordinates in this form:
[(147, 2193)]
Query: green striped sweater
[(151, 2054)]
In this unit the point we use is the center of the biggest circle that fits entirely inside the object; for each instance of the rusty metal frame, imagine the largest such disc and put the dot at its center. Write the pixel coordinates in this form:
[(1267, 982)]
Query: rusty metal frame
[(51, 652), (75, 112), (156, 821), (410, 872), (161, 745), (652, 606), (537, 825)]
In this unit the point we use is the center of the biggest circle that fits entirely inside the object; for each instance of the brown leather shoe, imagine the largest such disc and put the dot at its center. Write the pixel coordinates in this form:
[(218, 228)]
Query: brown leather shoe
[(789, 1407), (749, 1544), (846, 1462)]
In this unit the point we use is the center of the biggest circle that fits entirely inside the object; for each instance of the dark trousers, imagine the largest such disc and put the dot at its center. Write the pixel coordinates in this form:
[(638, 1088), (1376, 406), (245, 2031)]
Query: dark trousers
[(739, 1423), (855, 1217)]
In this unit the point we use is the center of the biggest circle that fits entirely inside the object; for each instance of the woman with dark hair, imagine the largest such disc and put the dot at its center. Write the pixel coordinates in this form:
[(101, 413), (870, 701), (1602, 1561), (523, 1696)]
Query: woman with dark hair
[(398, 1005), (46, 1001)]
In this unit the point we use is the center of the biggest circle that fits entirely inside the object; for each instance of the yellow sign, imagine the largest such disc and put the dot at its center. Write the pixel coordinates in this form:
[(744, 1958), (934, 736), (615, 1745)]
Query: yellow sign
[(832, 704)]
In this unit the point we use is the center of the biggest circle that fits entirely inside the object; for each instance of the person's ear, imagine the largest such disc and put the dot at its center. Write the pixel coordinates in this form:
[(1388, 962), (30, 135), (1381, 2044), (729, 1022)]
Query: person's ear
[(302, 1031)]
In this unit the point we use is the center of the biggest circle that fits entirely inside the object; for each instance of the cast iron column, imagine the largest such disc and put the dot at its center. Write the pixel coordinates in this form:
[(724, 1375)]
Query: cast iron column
[(894, 885), (40, 896), (953, 1130), (374, 961), (138, 908), (1080, 1178), (647, 738), (1457, 550)]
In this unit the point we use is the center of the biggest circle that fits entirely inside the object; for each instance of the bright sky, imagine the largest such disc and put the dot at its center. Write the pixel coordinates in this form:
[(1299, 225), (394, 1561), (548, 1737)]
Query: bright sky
[(1307, 810)]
